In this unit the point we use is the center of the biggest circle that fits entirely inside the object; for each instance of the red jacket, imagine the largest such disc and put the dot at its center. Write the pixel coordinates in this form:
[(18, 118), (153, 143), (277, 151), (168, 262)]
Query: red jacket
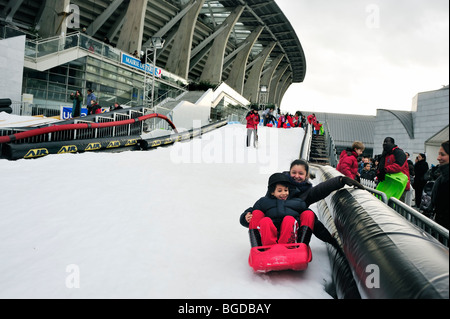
[(394, 162), (317, 126), (348, 163), (311, 119), (252, 120)]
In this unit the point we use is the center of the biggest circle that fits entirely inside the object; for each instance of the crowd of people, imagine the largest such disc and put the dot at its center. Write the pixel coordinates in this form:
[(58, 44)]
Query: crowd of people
[(91, 104), (271, 118), (282, 120), (429, 184), (283, 215)]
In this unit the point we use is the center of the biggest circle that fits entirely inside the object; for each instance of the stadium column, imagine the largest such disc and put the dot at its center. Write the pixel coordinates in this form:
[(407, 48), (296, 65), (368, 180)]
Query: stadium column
[(131, 34), (237, 74), (251, 86), (282, 87), (274, 83), (52, 22), (266, 78), (212, 72), (180, 54)]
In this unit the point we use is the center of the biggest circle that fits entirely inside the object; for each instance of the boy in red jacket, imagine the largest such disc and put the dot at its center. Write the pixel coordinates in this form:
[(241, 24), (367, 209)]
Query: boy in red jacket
[(348, 160)]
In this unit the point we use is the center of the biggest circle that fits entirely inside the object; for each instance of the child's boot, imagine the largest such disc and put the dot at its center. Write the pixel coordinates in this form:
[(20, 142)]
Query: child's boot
[(304, 234), (255, 237)]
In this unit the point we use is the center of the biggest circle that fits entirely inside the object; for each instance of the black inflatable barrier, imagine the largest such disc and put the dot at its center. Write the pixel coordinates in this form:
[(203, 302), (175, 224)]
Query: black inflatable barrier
[(13, 151), (390, 258), (5, 102), (6, 109), (345, 285)]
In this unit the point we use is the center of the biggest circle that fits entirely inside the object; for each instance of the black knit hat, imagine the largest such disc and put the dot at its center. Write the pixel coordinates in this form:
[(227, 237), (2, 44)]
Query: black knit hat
[(279, 178)]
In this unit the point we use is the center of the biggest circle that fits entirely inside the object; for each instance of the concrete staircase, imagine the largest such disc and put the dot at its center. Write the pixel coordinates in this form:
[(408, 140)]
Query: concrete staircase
[(318, 152)]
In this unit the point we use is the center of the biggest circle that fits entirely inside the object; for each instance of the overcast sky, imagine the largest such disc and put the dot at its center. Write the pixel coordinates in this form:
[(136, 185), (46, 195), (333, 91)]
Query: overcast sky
[(367, 55)]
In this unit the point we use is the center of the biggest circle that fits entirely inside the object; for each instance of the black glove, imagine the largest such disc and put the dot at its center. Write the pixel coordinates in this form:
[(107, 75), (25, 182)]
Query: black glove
[(381, 174), (351, 182)]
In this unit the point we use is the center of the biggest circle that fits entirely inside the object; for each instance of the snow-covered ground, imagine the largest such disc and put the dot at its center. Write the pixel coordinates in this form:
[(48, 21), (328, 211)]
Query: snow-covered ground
[(147, 224)]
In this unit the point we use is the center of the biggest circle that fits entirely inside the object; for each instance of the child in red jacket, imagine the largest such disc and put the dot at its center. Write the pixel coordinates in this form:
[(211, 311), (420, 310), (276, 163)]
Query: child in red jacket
[(317, 127), (348, 160)]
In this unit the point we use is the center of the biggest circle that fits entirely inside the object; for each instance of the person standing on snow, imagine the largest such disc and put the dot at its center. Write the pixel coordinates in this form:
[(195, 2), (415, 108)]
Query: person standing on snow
[(252, 126)]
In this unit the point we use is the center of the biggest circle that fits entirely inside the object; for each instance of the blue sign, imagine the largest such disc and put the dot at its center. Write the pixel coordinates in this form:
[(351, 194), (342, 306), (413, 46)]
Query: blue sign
[(66, 112), (136, 63)]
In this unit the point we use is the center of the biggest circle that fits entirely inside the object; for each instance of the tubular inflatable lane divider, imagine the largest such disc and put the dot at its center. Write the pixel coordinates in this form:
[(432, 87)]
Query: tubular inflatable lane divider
[(390, 258), (343, 280), (14, 151), (68, 127)]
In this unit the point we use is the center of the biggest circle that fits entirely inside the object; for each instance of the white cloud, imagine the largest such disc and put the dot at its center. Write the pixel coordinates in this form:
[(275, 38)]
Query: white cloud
[(364, 55)]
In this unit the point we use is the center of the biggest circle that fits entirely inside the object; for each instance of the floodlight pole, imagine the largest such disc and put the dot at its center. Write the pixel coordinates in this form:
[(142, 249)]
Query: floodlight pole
[(157, 43)]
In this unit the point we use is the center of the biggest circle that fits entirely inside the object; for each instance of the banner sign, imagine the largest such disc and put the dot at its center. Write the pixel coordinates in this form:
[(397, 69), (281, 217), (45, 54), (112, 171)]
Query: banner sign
[(66, 112), (133, 62)]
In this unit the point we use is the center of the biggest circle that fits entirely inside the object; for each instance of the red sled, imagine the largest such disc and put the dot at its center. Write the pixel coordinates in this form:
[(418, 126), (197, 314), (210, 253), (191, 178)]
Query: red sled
[(280, 257)]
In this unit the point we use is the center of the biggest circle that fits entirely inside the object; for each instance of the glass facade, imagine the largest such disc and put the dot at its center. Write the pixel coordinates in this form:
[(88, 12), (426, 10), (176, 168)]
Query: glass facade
[(110, 81)]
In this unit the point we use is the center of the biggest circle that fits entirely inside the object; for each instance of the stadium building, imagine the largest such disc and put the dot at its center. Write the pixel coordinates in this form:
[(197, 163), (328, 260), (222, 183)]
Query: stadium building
[(62, 47)]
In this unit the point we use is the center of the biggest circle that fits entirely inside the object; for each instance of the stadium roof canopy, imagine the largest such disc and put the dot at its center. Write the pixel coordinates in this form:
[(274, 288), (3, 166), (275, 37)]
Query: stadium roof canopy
[(105, 18)]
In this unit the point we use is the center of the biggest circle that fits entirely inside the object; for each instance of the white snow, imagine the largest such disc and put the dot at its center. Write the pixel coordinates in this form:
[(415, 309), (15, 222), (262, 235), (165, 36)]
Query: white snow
[(162, 223), (12, 120)]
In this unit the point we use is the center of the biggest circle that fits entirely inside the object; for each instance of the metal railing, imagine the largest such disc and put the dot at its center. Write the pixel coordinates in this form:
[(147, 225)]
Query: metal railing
[(135, 128), (36, 49), (380, 195), (368, 183), (412, 215), (7, 31), (421, 221), (331, 146)]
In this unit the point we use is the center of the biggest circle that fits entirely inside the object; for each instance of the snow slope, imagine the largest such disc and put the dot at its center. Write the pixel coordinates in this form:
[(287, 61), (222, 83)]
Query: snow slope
[(153, 224)]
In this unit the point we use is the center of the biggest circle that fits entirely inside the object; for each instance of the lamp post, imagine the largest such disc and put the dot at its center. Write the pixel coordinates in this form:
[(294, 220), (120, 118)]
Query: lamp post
[(157, 43), (262, 96)]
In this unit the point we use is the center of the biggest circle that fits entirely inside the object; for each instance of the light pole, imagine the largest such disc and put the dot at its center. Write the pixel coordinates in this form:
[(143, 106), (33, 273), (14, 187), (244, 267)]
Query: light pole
[(262, 96), (157, 43)]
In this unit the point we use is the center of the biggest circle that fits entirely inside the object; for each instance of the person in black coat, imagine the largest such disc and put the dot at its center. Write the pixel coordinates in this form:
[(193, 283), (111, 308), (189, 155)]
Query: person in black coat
[(420, 169), (439, 194)]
